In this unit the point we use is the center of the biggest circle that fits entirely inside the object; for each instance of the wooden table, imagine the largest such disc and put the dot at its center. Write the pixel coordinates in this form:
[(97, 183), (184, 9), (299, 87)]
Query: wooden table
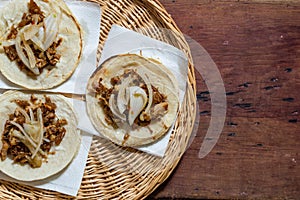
[(256, 46)]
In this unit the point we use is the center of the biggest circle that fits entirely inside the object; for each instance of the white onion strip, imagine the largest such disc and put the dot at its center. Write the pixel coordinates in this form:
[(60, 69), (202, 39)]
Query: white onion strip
[(24, 113), (51, 30), (22, 138), (31, 115), (113, 108), (24, 133), (41, 132), (30, 30), (149, 87), (38, 42), (122, 101), (6, 43), (30, 54), (20, 51)]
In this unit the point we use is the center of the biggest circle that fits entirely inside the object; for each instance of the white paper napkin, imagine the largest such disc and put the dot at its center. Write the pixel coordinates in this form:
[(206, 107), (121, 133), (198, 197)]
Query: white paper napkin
[(69, 180), (121, 40), (88, 15)]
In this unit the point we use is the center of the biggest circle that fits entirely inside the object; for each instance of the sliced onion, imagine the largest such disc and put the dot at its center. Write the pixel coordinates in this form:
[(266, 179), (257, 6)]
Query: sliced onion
[(137, 102), (28, 63), (38, 42), (51, 30), (24, 113), (24, 133), (7, 43), (159, 109), (41, 33), (20, 51), (149, 87), (35, 18), (122, 101), (30, 125), (32, 130), (30, 54), (30, 30), (22, 138), (31, 115), (114, 109), (41, 132)]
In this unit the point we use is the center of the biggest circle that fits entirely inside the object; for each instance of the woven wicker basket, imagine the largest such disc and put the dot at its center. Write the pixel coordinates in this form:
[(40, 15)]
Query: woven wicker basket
[(113, 172)]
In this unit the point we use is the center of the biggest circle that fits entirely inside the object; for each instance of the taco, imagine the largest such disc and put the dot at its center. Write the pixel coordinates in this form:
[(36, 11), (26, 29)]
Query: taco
[(40, 43), (39, 135), (132, 100)]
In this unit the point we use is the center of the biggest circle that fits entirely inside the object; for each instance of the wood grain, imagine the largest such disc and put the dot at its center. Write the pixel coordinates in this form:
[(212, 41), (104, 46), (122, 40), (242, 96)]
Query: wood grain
[(256, 46)]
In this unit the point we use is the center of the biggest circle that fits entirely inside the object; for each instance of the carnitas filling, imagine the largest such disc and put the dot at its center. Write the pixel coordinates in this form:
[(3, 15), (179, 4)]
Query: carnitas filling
[(31, 132), (33, 43), (132, 99)]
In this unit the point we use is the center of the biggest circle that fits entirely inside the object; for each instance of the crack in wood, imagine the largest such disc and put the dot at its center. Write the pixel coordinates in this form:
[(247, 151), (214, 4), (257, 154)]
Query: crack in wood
[(231, 134), (231, 124), (245, 85), (288, 70), (289, 99), (293, 120), (243, 105), (271, 87), (205, 112), (231, 93)]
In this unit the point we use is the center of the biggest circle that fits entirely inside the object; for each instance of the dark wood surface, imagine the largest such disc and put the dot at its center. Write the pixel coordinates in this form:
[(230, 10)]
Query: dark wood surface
[(256, 46)]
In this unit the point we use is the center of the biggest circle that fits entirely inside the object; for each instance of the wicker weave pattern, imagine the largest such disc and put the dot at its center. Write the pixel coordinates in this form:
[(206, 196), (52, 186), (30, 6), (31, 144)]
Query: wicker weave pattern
[(113, 172)]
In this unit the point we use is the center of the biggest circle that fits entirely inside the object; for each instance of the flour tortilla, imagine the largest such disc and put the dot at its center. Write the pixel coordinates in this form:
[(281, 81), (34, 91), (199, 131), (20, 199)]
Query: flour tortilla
[(64, 153), (70, 49), (159, 77)]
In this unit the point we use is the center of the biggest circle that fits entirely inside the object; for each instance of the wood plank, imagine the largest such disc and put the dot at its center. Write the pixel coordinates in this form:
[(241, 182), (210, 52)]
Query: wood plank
[(256, 46)]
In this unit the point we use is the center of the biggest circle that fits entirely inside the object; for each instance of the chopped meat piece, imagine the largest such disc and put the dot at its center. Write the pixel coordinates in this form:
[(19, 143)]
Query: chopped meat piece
[(51, 53), (26, 19), (11, 52), (22, 103), (33, 98), (41, 63), (108, 113), (49, 105), (157, 96), (19, 118), (35, 162), (62, 122), (13, 33), (60, 136), (115, 80), (33, 8), (46, 146), (4, 150), (48, 117), (159, 109)]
